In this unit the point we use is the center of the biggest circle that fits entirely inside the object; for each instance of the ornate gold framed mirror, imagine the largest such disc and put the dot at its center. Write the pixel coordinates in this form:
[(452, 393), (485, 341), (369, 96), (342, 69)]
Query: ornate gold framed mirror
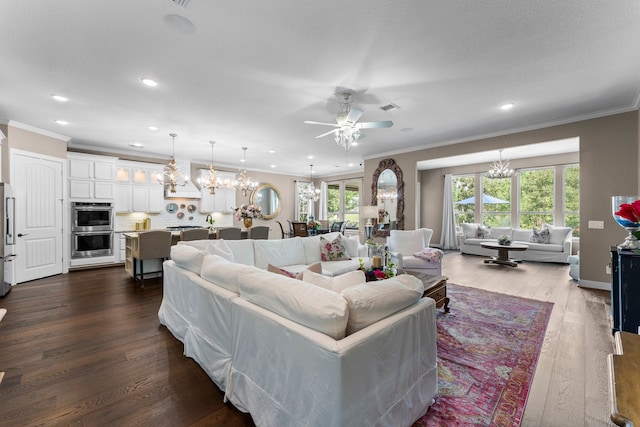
[(387, 192), (267, 197)]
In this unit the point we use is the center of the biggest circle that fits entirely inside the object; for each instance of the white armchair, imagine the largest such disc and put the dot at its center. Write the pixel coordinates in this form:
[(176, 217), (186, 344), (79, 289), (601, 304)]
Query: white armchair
[(410, 251)]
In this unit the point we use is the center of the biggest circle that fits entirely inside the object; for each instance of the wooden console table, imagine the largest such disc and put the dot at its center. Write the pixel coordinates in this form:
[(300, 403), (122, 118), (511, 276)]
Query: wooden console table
[(624, 380)]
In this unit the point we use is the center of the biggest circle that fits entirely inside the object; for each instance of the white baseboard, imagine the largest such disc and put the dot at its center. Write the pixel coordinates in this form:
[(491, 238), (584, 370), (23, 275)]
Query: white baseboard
[(591, 284)]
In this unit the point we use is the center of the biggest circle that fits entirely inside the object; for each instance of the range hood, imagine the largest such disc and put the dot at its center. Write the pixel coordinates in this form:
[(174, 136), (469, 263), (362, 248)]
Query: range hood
[(187, 191)]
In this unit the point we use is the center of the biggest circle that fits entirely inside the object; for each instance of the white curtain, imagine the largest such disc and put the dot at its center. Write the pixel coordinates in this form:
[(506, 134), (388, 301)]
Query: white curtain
[(322, 202), (448, 239), (296, 195)]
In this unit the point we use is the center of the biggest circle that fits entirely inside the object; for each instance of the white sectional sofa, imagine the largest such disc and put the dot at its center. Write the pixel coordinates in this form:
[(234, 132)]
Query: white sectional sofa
[(557, 250), (293, 353)]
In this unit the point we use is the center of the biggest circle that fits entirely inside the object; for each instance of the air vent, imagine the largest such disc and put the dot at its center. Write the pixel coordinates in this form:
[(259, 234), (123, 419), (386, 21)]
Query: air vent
[(181, 3), (390, 106)]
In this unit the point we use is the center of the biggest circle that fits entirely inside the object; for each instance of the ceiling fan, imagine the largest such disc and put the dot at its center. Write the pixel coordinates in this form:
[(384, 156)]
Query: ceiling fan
[(347, 128)]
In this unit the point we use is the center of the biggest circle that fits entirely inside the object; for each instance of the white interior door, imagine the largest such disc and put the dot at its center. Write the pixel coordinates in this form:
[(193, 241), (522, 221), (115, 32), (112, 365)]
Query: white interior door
[(37, 184)]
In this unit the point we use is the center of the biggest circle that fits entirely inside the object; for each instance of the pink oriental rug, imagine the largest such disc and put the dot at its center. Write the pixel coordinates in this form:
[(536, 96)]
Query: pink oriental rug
[(488, 348)]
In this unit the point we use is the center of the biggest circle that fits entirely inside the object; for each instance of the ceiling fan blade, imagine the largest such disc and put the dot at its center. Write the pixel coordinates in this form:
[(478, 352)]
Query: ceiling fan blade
[(353, 116), (327, 133), (373, 125), (320, 123)]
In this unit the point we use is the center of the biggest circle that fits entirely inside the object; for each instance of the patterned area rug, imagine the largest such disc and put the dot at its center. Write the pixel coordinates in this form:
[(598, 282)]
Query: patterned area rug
[(488, 348)]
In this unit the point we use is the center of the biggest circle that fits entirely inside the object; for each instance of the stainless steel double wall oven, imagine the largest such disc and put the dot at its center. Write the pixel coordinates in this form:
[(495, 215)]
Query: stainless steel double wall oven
[(91, 229)]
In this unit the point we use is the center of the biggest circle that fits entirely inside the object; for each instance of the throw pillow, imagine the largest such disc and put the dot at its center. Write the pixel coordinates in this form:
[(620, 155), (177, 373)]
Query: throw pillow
[(540, 236), (316, 268), (483, 232), (558, 234), (188, 257), (430, 255), (333, 250)]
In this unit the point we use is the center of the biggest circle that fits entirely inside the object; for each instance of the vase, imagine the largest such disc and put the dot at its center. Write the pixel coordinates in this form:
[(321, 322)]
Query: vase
[(248, 222), (631, 242)]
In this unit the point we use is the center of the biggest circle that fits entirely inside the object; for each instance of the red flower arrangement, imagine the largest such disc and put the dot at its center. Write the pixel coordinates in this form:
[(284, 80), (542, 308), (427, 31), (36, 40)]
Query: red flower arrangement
[(630, 211)]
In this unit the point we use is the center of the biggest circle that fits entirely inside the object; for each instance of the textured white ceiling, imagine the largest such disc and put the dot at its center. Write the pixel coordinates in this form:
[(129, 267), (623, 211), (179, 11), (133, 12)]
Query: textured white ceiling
[(253, 71)]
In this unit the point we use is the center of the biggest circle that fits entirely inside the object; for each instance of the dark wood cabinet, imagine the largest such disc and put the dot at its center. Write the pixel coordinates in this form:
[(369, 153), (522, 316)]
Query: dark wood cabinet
[(625, 290)]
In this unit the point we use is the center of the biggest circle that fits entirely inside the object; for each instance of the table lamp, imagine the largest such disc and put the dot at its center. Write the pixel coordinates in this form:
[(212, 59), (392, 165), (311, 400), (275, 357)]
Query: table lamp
[(368, 212)]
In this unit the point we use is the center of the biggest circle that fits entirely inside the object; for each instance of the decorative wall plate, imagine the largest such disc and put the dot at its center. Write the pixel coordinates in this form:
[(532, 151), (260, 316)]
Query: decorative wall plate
[(172, 208), (180, 215), (191, 208)]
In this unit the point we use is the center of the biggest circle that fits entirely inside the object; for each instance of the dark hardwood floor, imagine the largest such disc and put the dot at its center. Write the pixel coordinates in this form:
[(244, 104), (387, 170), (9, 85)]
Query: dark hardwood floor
[(87, 349)]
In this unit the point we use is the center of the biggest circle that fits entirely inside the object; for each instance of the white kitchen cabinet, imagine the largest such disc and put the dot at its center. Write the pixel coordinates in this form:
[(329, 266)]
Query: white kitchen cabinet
[(123, 198), (147, 198), (91, 177)]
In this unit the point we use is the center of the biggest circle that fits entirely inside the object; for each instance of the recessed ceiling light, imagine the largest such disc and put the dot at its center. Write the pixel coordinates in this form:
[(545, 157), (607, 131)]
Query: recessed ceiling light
[(136, 145), (149, 82), (272, 152), (59, 98), (152, 127), (507, 106), (62, 122), (273, 166), (309, 157), (354, 143), (179, 24), (350, 165)]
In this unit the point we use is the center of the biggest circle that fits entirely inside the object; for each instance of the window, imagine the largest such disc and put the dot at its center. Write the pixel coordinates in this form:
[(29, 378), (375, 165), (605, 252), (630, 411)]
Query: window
[(463, 197), (343, 202), (536, 197), (571, 176), (496, 202), (302, 212)]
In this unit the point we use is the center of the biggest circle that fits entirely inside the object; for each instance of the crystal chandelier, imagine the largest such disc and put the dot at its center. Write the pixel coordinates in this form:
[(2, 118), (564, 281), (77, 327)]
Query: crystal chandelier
[(347, 136), (500, 169), (172, 172), (243, 182), (212, 181), (310, 192)]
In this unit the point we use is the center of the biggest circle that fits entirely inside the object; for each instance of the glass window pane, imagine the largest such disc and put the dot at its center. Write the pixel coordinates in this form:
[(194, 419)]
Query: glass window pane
[(464, 191), (572, 198), (536, 190), (333, 202), (496, 202)]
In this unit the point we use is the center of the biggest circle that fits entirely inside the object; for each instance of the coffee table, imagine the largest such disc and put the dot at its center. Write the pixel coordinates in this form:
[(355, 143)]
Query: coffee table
[(503, 253), (434, 287)]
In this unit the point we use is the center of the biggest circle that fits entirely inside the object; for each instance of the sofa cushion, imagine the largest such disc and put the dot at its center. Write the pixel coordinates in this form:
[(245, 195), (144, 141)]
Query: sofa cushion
[(223, 273), (352, 244), (311, 246), (469, 229), (547, 247), (280, 252), (333, 250), (478, 242), (373, 301), (521, 235), (497, 232), (410, 282), (558, 234), (336, 268), (316, 268), (188, 257), (540, 236), (336, 284), (301, 302), (220, 248), (243, 251)]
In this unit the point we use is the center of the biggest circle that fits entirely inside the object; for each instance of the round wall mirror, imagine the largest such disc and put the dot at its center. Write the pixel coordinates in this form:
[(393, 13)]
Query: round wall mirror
[(268, 198)]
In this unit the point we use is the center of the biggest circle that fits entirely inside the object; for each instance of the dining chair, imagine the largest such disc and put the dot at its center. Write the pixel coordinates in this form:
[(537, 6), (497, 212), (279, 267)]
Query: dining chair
[(259, 232), (155, 244), (230, 233), (285, 234), (291, 234), (300, 229), (194, 234), (337, 226)]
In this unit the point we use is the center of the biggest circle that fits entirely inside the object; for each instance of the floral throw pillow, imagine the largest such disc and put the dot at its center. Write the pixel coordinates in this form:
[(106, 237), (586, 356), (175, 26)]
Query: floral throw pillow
[(483, 232), (333, 250), (540, 236)]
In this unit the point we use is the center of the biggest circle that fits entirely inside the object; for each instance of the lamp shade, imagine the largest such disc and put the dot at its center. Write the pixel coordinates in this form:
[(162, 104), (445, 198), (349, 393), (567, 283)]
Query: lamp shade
[(368, 212)]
